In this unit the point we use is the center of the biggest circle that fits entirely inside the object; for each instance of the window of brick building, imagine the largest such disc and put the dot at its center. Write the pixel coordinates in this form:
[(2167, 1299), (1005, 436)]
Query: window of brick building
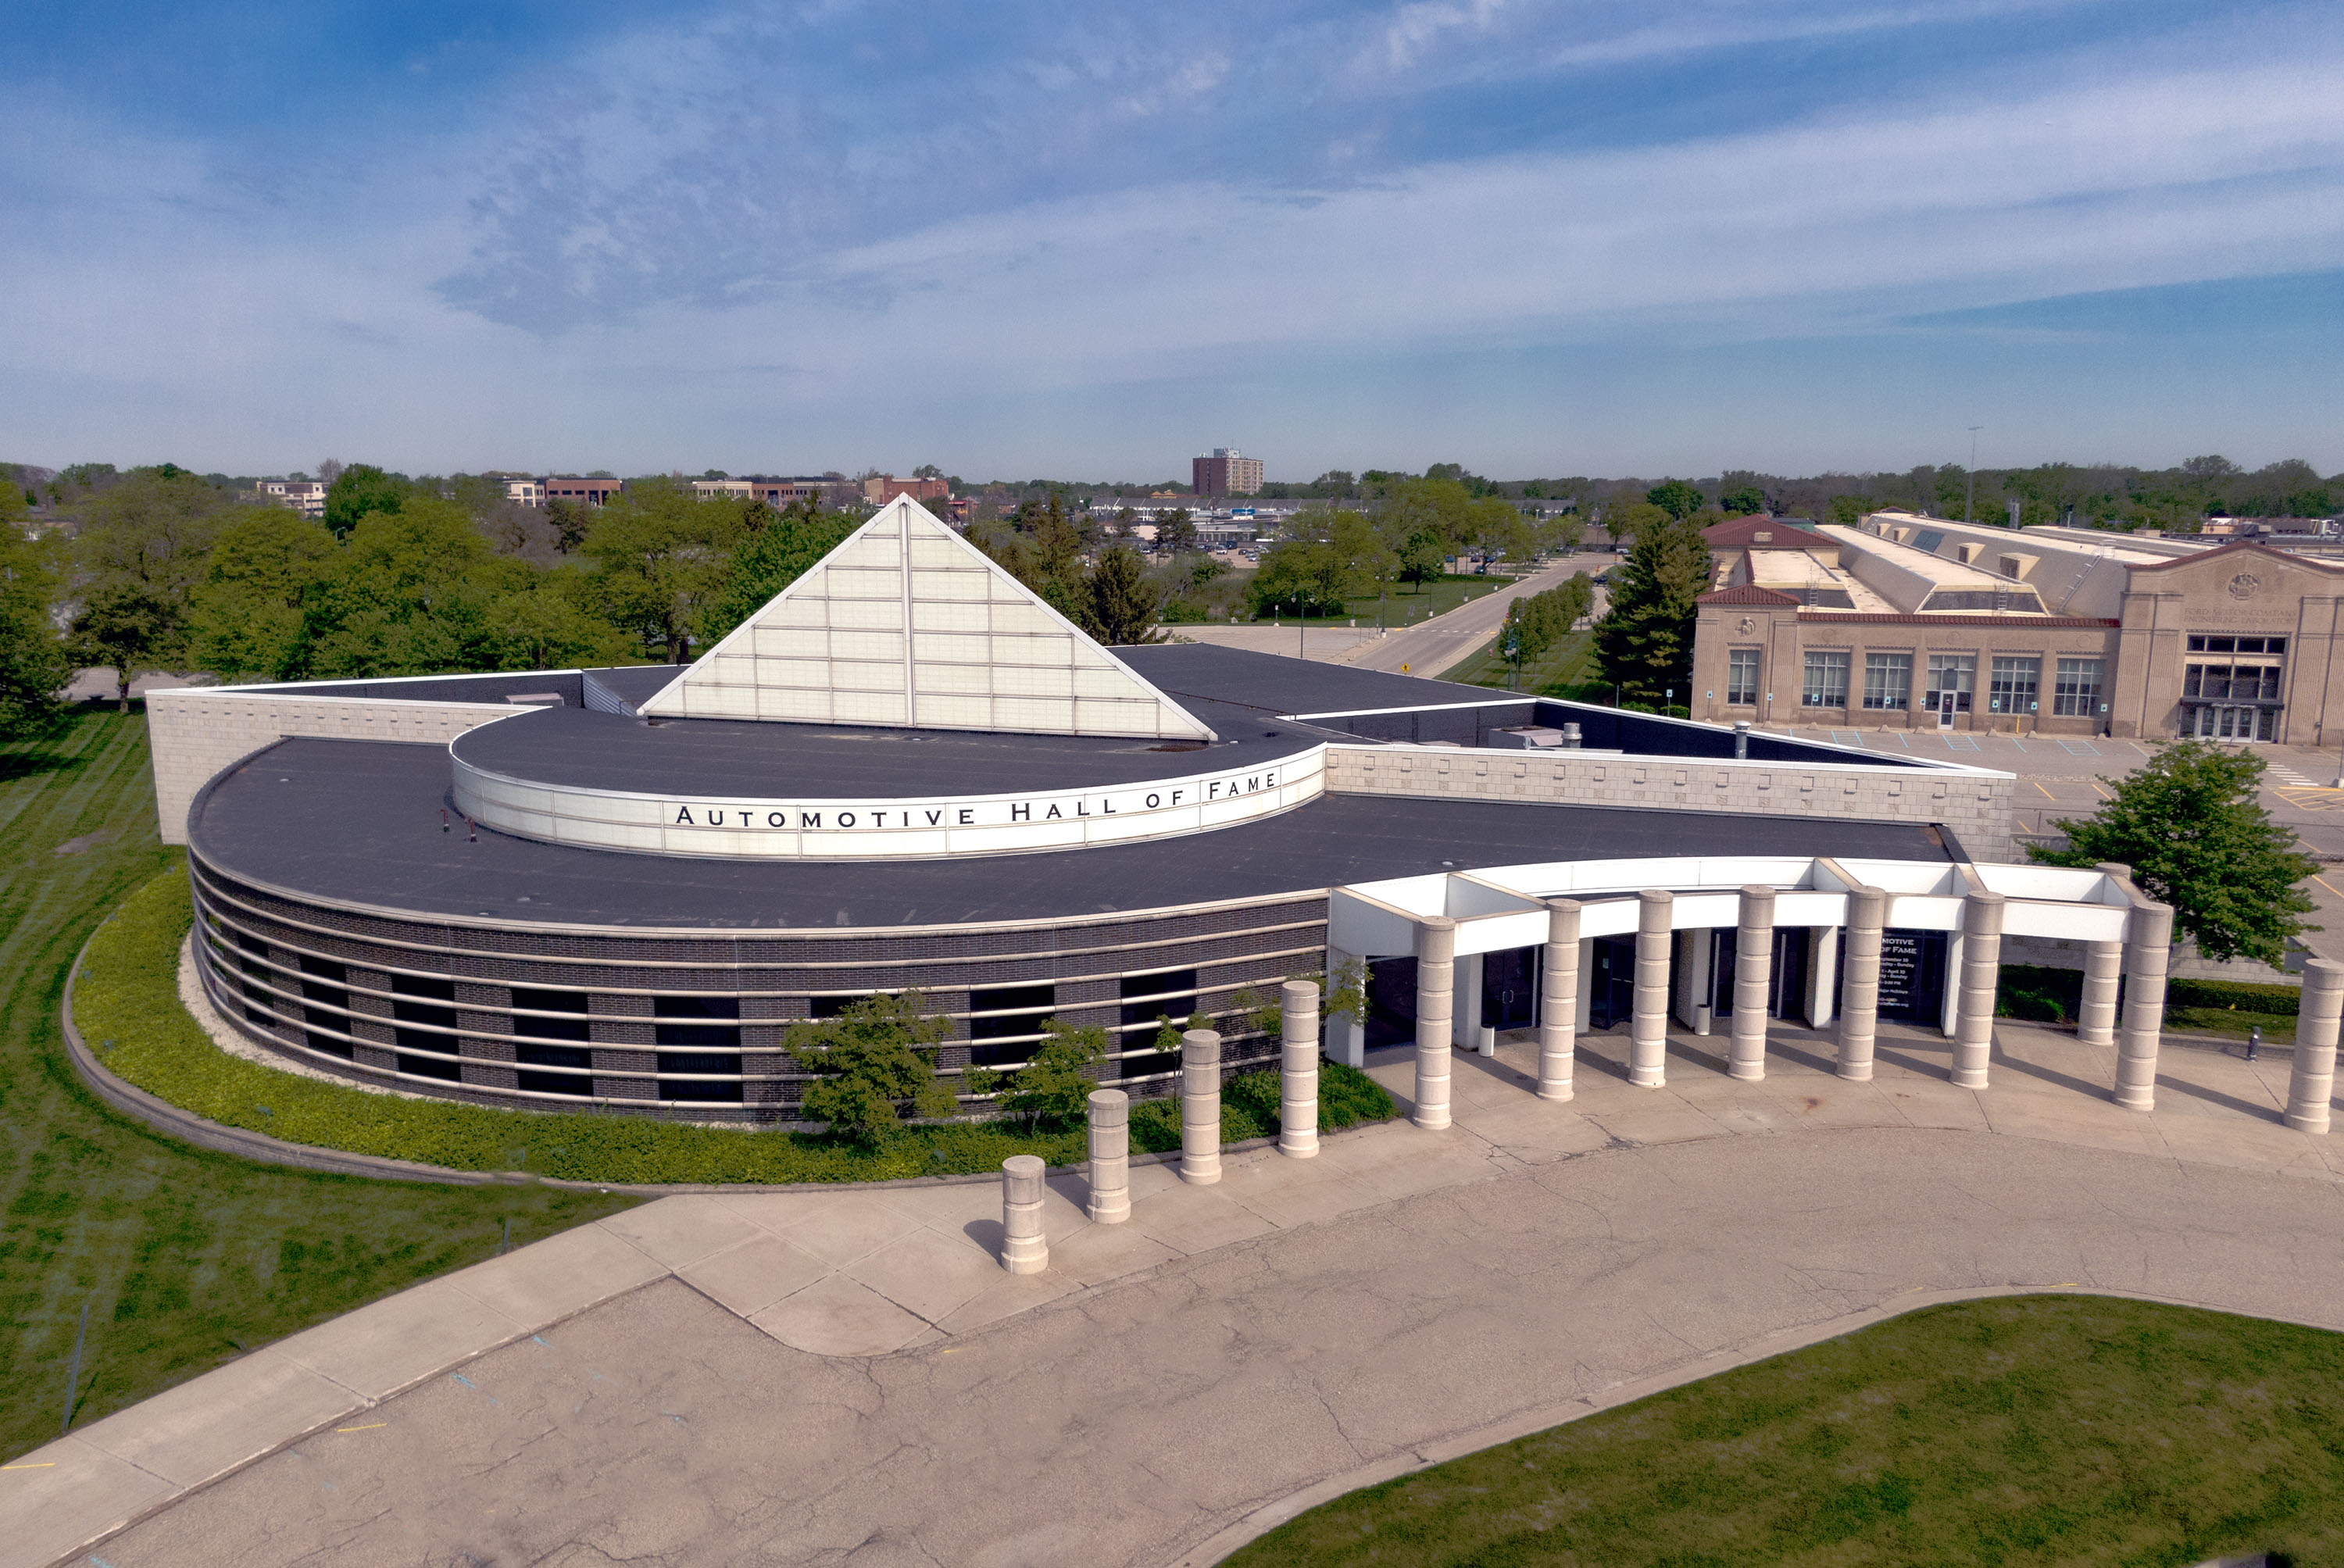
[(1827, 681), (2076, 695), (1888, 679), (2013, 686), (1742, 677)]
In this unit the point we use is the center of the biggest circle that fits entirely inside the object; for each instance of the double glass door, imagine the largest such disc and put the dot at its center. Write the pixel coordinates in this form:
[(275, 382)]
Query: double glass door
[(2231, 721)]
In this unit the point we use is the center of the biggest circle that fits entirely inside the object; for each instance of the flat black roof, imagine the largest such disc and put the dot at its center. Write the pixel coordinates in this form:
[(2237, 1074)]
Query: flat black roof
[(753, 759), (359, 821), (1275, 683)]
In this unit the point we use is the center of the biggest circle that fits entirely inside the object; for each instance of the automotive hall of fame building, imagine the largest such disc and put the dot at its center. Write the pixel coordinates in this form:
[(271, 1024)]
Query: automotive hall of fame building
[(617, 889)]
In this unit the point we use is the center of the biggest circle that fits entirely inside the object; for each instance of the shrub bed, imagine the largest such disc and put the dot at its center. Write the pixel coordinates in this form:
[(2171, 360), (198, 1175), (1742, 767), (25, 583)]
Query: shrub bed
[(2191, 1006), (127, 1005)]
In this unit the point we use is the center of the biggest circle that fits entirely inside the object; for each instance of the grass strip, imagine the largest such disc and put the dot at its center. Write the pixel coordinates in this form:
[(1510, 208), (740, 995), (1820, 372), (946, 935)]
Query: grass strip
[(2026, 1430), (185, 1257), (127, 1005)]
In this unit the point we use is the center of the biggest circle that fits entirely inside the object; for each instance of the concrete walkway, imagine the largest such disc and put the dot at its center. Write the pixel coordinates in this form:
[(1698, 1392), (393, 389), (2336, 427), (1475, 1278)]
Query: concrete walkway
[(828, 1377)]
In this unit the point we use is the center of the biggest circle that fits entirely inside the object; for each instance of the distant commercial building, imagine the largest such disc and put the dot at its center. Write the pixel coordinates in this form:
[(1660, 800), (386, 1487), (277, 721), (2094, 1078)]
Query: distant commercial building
[(525, 491), (1914, 622), (581, 491), (1227, 471), (306, 496), (886, 488)]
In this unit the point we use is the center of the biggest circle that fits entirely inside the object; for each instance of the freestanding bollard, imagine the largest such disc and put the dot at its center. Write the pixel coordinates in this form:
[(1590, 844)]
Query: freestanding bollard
[(2148, 948), (1859, 996), (2313, 1079), (1648, 1019), (1753, 966), (1200, 1107), (1023, 1248), (1110, 1167), (1436, 1000), (1297, 1080), (1981, 976), (1558, 1029)]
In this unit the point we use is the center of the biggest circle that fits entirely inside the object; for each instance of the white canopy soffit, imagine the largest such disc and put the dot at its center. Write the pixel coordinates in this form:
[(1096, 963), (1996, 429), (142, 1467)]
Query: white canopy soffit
[(908, 625)]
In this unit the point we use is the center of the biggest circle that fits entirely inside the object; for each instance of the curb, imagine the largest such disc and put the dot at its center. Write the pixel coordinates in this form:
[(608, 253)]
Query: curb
[(185, 1126), (1269, 1516)]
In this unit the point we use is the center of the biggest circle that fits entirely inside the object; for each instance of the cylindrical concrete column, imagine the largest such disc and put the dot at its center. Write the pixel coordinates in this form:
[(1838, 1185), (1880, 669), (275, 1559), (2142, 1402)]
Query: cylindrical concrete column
[(1200, 1107), (2096, 1019), (1110, 1167), (1298, 1079), (1648, 1021), (1981, 978), (2313, 1081), (1753, 974), (1859, 989), (1023, 1248), (2148, 948), (1559, 999), (1436, 977)]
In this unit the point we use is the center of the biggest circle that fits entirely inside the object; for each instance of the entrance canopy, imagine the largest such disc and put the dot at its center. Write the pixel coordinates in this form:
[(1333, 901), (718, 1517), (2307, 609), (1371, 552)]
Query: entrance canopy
[(1502, 907)]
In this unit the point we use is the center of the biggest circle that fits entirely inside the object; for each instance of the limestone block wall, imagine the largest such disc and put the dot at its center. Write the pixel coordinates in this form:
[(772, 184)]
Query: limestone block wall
[(1975, 804), (195, 731)]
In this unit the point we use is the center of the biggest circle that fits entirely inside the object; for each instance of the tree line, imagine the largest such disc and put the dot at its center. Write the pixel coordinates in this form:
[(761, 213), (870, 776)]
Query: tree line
[(1408, 532)]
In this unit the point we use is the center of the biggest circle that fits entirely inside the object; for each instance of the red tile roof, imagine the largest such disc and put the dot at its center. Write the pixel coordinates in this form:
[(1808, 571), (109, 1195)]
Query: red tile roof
[(1744, 534)]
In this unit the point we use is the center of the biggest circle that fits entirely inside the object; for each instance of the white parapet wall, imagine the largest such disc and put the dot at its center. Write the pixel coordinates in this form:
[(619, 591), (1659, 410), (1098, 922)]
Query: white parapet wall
[(195, 731), (1972, 802)]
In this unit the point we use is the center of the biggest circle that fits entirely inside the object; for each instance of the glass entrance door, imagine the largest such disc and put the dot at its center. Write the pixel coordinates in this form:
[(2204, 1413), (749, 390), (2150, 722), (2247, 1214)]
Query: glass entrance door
[(2231, 721), (1510, 989)]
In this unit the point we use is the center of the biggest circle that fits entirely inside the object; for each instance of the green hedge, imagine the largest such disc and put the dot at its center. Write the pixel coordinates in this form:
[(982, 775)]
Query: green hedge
[(2214, 1006), (127, 1007)]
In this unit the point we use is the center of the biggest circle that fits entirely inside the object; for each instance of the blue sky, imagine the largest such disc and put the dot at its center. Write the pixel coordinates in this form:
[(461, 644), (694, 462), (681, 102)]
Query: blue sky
[(1019, 239)]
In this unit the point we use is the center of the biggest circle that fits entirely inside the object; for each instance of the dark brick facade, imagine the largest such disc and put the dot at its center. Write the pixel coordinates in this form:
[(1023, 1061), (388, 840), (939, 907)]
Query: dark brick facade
[(336, 989)]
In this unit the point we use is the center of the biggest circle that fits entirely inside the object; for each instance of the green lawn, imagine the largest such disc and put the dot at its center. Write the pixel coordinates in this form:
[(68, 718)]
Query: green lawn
[(2032, 1429), (1565, 669), (183, 1257)]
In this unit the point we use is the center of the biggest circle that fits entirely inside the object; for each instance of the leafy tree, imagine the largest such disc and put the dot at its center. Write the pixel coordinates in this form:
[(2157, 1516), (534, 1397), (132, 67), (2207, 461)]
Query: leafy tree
[(1644, 642), (1122, 607), (540, 624), (408, 594), (2188, 823), (1303, 577), (361, 489), (660, 557), (34, 665), (1678, 498), (1743, 500), (872, 1067), (570, 521), (773, 555), (1054, 1086), (246, 619), (142, 547), (1176, 532), (1423, 556), (1848, 511), (1633, 520)]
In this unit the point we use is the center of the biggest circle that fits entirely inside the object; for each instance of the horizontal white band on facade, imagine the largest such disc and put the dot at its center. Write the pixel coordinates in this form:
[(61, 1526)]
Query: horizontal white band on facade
[(736, 827), (1499, 908)]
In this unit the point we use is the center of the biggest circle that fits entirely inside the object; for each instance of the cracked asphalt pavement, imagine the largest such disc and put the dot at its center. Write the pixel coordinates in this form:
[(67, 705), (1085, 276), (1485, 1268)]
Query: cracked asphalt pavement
[(1127, 1424)]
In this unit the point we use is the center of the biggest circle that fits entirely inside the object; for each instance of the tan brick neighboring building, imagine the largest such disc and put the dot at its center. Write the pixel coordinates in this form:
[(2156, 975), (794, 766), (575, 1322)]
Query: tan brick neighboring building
[(1915, 623)]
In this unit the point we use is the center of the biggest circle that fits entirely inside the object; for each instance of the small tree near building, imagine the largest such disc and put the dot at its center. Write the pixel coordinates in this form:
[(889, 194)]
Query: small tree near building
[(2189, 824), (872, 1063)]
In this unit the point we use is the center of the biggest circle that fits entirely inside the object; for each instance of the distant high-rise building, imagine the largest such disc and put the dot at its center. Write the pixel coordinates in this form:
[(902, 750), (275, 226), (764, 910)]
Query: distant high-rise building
[(1227, 473)]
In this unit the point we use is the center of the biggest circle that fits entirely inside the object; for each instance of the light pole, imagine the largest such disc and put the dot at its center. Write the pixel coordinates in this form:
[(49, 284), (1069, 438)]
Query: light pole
[(1969, 477)]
